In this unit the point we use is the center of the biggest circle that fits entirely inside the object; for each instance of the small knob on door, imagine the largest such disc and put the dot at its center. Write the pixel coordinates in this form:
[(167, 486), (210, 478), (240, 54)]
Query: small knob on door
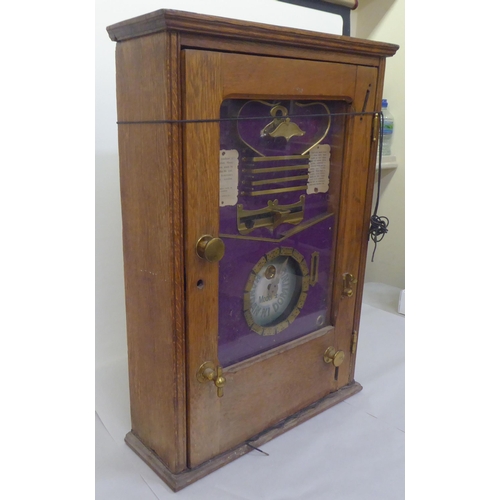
[(348, 280), (336, 358), (210, 248), (208, 372)]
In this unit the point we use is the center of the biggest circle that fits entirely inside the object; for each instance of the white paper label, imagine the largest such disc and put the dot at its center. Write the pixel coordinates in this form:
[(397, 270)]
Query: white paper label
[(228, 177), (319, 169)]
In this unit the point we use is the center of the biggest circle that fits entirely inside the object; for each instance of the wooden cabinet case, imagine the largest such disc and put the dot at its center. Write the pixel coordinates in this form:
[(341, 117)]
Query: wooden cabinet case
[(247, 163)]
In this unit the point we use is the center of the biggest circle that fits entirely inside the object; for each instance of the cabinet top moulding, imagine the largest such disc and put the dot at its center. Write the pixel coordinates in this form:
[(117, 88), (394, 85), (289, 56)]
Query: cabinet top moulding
[(191, 23)]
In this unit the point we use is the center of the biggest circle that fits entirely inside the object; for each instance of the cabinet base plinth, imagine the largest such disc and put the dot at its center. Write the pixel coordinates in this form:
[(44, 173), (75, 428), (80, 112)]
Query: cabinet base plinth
[(182, 479)]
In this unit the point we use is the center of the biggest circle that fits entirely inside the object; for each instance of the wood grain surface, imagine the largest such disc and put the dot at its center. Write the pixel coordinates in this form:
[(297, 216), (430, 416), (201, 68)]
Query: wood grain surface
[(152, 215), (188, 22)]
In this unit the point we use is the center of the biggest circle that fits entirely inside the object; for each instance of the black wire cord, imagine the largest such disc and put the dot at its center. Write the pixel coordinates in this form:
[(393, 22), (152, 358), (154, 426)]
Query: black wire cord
[(378, 224), (240, 118)]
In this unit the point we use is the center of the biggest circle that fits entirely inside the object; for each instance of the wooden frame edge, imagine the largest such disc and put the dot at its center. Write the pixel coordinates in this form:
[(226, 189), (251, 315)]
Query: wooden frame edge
[(190, 22), (180, 480)]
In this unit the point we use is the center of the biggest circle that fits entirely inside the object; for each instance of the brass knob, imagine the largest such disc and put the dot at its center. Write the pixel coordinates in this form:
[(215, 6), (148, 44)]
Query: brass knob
[(336, 358), (210, 248), (220, 381), (208, 372)]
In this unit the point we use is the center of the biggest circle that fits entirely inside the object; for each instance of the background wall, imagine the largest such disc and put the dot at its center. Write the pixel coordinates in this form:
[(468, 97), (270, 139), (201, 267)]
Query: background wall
[(384, 20)]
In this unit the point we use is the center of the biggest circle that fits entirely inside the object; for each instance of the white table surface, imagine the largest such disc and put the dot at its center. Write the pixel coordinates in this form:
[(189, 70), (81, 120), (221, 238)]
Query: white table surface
[(353, 451)]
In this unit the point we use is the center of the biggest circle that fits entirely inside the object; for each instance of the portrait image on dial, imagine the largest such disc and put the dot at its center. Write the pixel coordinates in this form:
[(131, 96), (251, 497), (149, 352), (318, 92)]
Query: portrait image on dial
[(276, 291)]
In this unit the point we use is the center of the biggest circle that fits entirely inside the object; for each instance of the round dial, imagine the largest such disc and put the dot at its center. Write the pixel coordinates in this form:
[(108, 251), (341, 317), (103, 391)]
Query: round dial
[(276, 291)]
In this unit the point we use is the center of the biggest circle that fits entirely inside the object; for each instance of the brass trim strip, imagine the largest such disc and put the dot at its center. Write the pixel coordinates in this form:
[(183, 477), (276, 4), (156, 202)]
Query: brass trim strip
[(290, 232), (247, 304), (270, 216), (273, 169), (278, 180), (238, 122), (275, 191), (327, 128), (276, 158), (306, 225)]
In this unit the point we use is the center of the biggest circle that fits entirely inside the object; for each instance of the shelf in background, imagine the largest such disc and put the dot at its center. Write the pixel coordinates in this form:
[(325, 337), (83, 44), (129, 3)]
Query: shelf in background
[(389, 162)]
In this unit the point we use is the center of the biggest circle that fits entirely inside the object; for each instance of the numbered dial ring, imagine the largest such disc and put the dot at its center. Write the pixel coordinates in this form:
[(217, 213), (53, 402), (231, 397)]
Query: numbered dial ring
[(276, 291)]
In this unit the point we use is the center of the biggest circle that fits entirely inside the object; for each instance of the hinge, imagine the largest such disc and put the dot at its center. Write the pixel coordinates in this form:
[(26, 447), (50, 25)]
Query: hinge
[(354, 342), (348, 280), (375, 129)]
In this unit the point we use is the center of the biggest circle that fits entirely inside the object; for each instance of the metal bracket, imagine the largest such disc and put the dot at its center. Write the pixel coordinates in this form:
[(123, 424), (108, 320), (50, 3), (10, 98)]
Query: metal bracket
[(208, 372), (348, 281), (354, 342)]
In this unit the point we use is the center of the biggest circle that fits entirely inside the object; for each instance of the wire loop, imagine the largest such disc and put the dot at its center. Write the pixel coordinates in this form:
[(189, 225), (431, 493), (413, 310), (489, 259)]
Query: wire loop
[(378, 224)]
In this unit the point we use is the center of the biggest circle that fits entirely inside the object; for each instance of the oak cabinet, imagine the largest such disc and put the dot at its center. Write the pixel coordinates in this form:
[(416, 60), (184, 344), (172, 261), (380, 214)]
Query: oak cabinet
[(247, 162)]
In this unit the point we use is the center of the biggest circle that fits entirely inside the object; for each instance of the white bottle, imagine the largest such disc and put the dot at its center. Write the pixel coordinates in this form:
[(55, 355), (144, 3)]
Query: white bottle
[(388, 129)]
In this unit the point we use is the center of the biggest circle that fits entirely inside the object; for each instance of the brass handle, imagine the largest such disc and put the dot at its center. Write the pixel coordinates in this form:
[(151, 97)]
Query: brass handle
[(336, 358), (210, 248), (208, 372), (348, 280)]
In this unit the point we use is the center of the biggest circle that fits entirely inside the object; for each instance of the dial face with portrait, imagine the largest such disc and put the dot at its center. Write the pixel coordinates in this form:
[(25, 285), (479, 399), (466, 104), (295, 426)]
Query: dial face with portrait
[(276, 291)]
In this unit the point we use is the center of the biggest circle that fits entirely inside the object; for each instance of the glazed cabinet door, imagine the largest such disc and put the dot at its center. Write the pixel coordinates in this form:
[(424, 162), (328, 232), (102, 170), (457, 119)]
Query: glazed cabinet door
[(275, 202)]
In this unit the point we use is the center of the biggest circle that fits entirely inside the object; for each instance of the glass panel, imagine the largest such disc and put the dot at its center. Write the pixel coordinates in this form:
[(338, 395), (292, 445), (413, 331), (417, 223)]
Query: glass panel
[(280, 164)]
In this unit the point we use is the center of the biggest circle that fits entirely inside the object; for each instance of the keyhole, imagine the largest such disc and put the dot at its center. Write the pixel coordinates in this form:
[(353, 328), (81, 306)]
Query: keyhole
[(336, 376)]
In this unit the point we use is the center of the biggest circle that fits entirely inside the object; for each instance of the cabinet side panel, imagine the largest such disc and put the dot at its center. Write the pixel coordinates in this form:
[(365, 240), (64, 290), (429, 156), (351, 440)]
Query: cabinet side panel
[(150, 181)]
